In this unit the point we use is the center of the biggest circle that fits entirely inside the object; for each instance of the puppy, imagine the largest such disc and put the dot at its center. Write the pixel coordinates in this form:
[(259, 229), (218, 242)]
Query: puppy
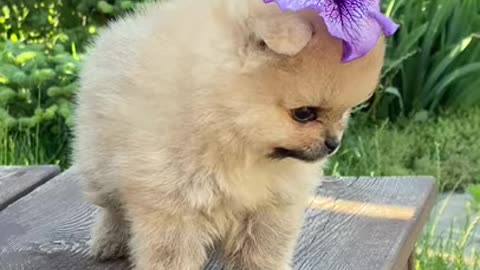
[(204, 124)]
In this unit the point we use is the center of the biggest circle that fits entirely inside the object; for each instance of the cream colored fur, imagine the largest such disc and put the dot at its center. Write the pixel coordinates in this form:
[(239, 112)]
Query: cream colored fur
[(180, 107)]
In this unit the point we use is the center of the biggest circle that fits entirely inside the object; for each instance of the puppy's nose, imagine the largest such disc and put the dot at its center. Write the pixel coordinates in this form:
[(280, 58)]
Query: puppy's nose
[(332, 144)]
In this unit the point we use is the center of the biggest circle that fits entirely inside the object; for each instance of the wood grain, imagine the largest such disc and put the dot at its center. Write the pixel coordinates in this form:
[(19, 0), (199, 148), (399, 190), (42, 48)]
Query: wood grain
[(17, 181), (48, 229)]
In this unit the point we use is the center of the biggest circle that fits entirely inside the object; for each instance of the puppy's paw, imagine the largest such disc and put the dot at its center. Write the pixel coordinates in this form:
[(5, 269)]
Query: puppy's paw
[(110, 236), (102, 248)]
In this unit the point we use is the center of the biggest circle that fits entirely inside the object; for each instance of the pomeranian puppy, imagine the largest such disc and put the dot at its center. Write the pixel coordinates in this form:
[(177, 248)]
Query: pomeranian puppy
[(203, 124)]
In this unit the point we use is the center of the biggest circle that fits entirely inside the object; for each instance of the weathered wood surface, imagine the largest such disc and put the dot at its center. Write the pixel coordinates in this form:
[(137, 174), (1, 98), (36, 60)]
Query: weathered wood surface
[(17, 181), (353, 223)]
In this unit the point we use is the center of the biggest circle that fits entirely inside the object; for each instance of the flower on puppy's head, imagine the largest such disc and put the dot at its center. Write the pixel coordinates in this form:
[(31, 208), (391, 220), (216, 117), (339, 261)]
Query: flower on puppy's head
[(358, 23)]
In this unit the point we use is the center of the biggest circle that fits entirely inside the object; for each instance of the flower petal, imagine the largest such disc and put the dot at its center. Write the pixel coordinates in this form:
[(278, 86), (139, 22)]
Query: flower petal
[(358, 23)]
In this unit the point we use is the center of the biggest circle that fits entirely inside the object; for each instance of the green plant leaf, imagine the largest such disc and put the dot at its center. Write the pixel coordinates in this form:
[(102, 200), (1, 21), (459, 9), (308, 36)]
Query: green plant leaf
[(421, 116), (439, 90), (474, 191), (25, 57), (394, 91), (444, 64), (105, 7)]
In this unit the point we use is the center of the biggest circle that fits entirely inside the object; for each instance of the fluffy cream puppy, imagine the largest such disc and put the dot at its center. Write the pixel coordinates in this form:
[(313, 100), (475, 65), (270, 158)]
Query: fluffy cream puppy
[(205, 123)]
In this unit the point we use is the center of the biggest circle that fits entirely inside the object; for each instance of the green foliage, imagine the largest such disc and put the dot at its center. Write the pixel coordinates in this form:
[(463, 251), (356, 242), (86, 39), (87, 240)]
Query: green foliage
[(36, 88), (39, 63), (447, 148), (29, 147), (52, 20), (453, 249), (474, 191), (433, 62)]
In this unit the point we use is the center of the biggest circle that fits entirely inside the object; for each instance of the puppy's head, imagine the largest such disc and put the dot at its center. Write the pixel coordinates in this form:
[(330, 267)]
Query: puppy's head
[(292, 96)]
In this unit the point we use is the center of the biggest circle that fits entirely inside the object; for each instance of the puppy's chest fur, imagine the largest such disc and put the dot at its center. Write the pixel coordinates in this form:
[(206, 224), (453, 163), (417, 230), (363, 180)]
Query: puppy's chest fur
[(227, 198)]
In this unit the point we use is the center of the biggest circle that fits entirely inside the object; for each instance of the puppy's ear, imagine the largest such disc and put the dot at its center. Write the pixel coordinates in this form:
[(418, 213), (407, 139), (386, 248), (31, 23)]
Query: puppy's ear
[(285, 34)]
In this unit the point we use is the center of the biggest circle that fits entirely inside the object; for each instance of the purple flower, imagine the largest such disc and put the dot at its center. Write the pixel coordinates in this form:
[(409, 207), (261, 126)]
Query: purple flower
[(358, 23)]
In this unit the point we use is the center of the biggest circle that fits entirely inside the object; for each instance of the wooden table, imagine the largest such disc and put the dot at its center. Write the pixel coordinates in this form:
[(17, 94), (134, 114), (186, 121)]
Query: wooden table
[(360, 223)]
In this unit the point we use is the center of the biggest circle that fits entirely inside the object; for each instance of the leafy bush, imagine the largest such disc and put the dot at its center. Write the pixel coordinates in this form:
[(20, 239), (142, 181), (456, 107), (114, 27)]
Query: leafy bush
[(40, 52), (36, 86), (433, 62), (49, 20)]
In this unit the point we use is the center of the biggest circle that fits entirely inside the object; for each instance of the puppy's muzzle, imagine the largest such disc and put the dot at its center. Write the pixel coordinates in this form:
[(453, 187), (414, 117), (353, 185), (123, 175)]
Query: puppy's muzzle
[(308, 154), (332, 145)]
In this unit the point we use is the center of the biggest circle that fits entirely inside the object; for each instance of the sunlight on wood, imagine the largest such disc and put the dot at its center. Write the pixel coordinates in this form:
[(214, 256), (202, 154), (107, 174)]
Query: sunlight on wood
[(382, 211)]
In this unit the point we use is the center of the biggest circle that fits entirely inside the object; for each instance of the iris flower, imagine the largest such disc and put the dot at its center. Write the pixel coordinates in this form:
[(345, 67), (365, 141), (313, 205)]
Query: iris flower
[(358, 23)]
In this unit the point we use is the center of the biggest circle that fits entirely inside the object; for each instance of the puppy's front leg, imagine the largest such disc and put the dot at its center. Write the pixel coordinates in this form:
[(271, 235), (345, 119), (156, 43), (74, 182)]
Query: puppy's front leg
[(266, 241), (167, 242), (110, 234)]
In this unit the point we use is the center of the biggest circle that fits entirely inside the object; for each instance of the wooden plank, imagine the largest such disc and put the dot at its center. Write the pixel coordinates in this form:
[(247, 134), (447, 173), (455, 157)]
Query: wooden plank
[(339, 240), (49, 228), (17, 181)]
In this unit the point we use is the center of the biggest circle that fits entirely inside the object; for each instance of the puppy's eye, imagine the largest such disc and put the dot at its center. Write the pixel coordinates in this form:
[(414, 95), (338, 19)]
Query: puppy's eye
[(304, 114)]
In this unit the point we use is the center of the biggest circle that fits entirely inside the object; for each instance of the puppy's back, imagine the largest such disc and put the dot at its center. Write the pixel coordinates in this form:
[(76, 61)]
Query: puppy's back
[(119, 97), (138, 81)]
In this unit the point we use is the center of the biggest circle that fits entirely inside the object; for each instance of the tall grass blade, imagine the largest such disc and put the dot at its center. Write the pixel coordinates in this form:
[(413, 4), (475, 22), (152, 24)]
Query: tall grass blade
[(439, 90)]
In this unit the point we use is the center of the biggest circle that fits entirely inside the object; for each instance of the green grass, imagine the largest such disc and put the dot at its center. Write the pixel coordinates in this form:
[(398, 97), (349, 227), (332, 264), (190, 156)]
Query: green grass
[(446, 147), (450, 251), (29, 148)]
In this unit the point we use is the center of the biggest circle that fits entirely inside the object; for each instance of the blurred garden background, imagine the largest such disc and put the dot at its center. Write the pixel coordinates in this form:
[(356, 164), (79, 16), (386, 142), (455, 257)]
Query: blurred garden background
[(423, 120)]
